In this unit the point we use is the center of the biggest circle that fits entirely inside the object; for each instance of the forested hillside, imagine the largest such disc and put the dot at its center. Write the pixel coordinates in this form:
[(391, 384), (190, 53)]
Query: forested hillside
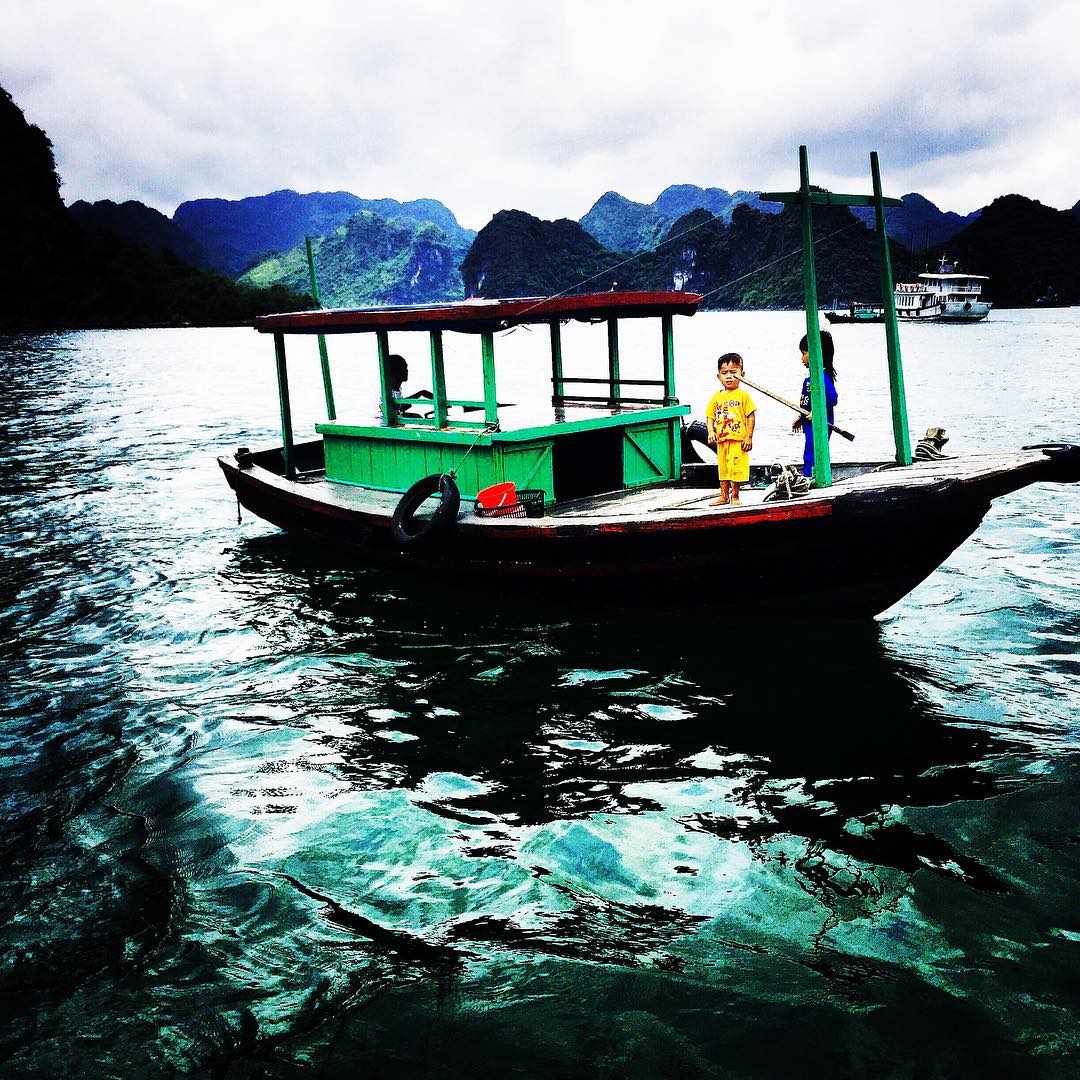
[(55, 274)]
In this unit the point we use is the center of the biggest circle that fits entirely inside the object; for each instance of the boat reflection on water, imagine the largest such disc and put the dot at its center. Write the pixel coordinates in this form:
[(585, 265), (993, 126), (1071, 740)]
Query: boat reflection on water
[(506, 788), (562, 710)]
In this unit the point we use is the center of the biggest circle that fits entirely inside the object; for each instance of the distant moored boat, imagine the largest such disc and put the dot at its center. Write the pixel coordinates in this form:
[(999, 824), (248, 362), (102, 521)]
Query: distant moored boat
[(857, 313), (945, 296)]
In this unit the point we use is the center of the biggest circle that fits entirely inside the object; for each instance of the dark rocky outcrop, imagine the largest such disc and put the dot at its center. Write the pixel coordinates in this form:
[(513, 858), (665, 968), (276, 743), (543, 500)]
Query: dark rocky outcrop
[(1031, 252), (917, 224), (517, 254), (57, 275), (141, 225)]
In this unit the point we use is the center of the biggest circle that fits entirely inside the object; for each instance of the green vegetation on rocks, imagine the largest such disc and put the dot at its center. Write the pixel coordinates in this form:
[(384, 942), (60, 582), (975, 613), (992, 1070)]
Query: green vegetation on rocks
[(372, 261), (238, 234), (623, 225), (517, 254)]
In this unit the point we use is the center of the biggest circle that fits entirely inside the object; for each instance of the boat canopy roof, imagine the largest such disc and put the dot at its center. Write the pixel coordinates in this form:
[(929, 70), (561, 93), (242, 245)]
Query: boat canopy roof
[(478, 316), (954, 277)]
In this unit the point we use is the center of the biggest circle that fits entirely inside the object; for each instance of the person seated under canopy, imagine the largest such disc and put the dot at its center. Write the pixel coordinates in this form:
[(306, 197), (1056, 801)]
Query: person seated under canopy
[(399, 372)]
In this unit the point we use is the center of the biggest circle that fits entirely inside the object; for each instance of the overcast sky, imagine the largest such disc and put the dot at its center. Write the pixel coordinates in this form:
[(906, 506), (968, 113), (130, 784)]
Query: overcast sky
[(544, 107)]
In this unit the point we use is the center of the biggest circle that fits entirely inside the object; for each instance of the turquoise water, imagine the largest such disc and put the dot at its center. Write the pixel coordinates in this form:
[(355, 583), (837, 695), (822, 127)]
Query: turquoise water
[(266, 815)]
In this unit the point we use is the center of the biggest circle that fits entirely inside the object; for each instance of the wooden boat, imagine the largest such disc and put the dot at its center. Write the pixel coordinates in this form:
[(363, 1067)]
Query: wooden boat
[(857, 313), (622, 511)]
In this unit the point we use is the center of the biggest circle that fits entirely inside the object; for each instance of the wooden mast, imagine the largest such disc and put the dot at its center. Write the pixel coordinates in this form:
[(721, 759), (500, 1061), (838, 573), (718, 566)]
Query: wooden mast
[(818, 406), (324, 359), (286, 407), (892, 333)]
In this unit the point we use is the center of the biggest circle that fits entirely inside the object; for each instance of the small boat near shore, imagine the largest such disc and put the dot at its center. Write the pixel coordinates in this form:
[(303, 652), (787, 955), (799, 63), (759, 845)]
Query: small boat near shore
[(946, 295), (599, 495), (857, 312)]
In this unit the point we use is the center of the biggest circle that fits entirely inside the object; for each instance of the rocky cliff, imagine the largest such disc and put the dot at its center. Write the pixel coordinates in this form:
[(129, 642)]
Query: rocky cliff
[(239, 233), (136, 223), (370, 260), (517, 254)]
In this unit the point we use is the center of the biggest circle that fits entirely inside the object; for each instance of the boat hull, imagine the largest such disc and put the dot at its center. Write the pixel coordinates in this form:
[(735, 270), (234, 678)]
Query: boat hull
[(857, 550), (948, 313), (839, 317)]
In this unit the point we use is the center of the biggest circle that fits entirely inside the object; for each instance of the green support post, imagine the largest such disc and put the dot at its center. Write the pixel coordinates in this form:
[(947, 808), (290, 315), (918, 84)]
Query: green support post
[(901, 435), (556, 359), (668, 338), (613, 359), (389, 409), (324, 359), (557, 386), (286, 408), (822, 460), (438, 378), (491, 402)]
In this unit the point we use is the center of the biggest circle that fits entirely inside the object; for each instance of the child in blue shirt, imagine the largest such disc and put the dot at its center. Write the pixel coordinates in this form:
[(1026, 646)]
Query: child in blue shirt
[(831, 397)]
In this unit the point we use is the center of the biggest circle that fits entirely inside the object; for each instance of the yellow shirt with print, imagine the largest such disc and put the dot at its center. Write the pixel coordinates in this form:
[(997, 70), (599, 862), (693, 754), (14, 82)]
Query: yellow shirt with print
[(729, 410)]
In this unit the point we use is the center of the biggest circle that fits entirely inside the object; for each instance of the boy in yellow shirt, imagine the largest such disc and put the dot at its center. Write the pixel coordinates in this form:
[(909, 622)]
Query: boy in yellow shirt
[(729, 418)]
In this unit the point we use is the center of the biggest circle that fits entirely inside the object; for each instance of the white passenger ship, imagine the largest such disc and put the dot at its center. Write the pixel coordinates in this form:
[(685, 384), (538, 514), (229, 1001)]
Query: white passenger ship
[(946, 296)]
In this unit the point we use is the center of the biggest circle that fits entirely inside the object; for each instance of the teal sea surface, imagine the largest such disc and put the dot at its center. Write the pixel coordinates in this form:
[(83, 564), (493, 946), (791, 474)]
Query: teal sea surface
[(265, 814)]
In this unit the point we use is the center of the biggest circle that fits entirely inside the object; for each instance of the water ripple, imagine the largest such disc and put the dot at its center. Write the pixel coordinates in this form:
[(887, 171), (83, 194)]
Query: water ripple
[(264, 812)]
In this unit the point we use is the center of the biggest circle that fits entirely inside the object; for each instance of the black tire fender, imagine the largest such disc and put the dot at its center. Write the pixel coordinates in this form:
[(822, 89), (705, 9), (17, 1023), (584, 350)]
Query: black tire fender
[(406, 529), (696, 432)]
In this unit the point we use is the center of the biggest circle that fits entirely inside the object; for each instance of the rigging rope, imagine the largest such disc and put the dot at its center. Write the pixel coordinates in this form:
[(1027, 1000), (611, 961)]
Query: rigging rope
[(672, 239), (780, 259), (487, 430), (611, 269)]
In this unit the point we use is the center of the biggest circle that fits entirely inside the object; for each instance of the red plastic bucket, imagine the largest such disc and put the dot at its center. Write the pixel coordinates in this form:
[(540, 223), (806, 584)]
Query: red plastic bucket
[(497, 499)]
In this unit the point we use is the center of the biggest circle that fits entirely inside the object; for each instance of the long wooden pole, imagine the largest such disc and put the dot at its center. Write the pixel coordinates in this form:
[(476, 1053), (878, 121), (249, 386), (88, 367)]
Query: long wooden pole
[(798, 408), (438, 378), (892, 332), (613, 361), (286, 407), (822, 461), (491, 401), (324, 359)]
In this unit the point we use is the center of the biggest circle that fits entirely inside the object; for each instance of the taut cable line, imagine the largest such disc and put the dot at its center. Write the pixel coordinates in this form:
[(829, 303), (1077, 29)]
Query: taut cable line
[(779, 259), (671, 240), (611, 269)]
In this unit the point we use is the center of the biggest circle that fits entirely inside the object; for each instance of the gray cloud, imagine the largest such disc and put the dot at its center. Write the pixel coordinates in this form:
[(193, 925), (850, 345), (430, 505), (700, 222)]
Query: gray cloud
[(489, 105)]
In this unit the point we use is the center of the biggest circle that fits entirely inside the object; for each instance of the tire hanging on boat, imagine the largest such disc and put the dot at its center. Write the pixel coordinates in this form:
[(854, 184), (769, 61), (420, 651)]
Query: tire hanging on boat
[(696, 432), (407, 529)]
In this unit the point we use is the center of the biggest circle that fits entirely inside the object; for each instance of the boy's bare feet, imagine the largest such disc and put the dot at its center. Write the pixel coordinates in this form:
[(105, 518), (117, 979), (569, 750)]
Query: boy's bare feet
[(719, 502)]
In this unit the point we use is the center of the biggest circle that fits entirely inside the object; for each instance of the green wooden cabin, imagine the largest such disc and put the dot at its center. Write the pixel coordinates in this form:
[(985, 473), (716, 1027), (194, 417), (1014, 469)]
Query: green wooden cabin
[(624, 434)]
